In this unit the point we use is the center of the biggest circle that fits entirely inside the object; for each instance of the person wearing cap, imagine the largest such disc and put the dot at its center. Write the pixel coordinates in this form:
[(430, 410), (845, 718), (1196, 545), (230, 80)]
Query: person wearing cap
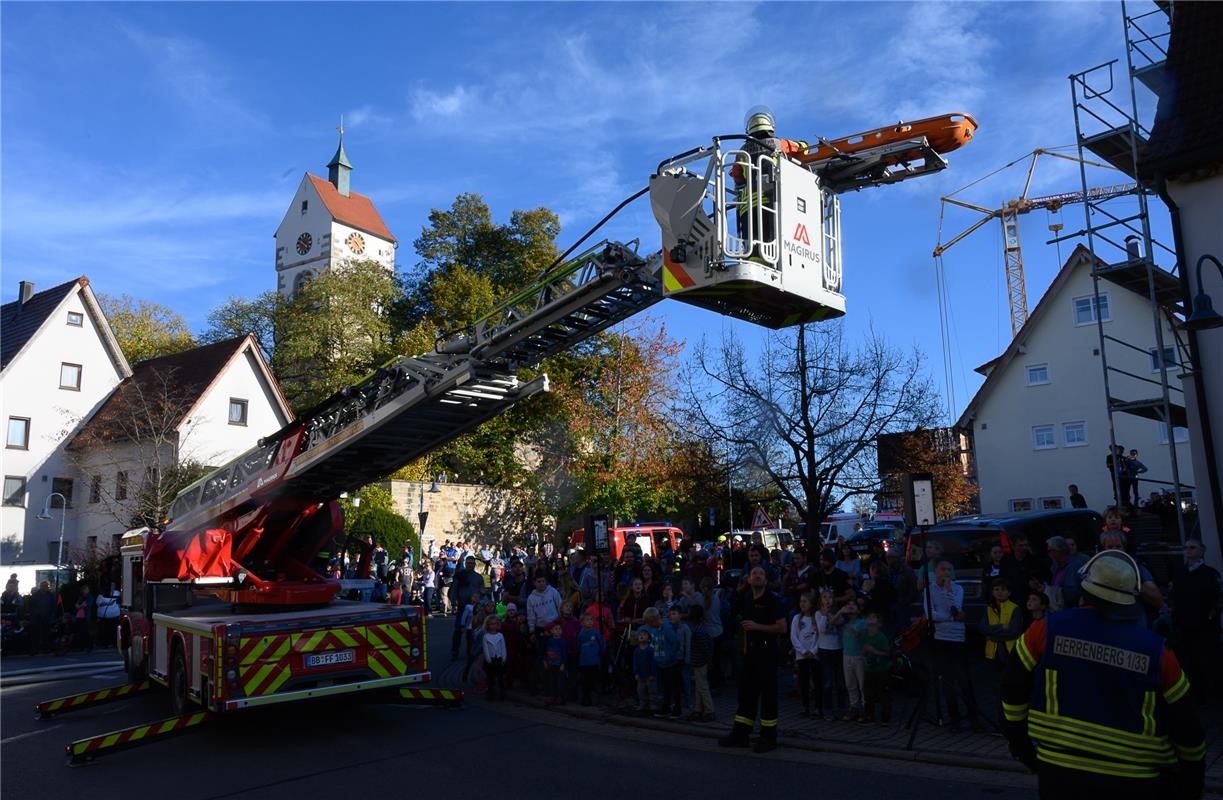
[(762, 145), (1095, 704)]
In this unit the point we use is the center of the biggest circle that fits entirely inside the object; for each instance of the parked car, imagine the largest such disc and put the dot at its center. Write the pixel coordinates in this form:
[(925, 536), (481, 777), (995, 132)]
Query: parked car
[(967, 541), (862, 541)]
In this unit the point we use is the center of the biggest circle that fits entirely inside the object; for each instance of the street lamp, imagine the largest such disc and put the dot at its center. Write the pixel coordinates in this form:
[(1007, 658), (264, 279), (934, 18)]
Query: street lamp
[(423, 516), (1204, 315), (46, 514)]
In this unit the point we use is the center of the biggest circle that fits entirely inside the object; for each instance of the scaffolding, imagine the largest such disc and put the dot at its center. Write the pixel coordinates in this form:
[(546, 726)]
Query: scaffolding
[(1109, 126)]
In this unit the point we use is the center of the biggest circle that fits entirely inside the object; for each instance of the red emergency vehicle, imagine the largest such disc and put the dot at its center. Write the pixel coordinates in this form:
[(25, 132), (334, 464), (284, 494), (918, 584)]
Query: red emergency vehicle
[(649, 536)]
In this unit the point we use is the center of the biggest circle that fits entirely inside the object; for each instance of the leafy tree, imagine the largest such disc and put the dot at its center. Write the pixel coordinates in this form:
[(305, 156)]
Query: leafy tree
[(145, 329), (334, 330), (239, 316), (809, 415), (933, 450)]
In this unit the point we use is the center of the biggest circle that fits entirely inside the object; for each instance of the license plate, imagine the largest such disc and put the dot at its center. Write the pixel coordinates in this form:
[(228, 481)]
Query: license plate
[(327, 659)]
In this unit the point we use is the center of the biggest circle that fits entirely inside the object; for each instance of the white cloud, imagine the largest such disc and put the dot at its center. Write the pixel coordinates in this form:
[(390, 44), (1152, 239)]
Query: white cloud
[(428, 105)]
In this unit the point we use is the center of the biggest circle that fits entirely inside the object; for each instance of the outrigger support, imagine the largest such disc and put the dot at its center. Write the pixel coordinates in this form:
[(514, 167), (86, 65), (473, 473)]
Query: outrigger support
[(450, 698), (83, 750), (74, 702)]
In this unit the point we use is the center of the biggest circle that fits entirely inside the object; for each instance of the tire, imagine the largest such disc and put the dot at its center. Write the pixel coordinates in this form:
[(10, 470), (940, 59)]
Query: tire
[(179, 699), (135, 672)]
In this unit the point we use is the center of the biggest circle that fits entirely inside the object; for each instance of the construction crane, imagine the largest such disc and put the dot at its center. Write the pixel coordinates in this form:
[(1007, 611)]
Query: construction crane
[(1009, 214)]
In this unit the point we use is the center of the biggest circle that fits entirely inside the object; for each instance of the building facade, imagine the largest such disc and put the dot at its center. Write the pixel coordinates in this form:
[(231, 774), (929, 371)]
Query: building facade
[(1040, 421), (327, 224), (60, 363)]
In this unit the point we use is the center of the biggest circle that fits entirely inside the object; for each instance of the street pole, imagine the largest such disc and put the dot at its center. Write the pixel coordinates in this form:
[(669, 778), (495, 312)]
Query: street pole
[(46, 514)]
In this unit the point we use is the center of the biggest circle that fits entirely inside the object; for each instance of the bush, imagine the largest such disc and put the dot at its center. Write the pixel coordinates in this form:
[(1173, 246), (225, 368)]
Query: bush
[(388, 529)]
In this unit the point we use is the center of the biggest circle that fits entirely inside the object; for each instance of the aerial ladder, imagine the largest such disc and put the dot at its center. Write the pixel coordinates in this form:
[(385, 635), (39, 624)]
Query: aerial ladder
[(228, 606), (1009, 214)]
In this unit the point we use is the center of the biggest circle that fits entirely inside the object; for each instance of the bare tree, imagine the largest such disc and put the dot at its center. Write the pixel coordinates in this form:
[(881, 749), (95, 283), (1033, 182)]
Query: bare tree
[(806, 419), (133, 452)]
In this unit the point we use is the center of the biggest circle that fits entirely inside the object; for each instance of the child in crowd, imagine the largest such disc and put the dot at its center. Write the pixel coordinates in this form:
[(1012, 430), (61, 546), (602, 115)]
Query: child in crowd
[(878, 673), (571, 625), (644, 671), (470, 621), (687, 596), (699, 651), (1001, 623), (832, 672), (666, 599), (667, 659), (494, 657), (805, 639), (852, 660), (1037, 607), (590, 647), (554, 665)]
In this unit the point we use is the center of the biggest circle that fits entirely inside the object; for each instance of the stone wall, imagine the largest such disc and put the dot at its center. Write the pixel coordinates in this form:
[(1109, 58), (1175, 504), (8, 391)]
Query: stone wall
[(470, 512)]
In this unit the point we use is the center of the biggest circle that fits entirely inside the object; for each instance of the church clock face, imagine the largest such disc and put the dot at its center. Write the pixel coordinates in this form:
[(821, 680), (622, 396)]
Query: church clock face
[(356, 243), (304, 243)]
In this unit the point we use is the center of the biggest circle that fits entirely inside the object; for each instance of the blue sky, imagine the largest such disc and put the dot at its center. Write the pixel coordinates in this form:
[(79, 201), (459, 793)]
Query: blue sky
[(155, 147)]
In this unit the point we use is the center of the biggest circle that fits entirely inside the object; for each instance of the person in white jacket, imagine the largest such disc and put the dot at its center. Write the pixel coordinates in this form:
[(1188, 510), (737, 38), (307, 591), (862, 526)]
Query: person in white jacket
[(543, 606), (804, 636)]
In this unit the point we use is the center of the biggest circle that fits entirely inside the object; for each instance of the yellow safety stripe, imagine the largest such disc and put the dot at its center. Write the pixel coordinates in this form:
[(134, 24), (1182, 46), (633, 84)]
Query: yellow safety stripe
[(1148, 714), (744, 720), (1195, 753), (1177, 690), (1078, 727), (1051, 692), (768, 723), (1095, 765), (1120, 752), (1025, 657), (1015, 712)]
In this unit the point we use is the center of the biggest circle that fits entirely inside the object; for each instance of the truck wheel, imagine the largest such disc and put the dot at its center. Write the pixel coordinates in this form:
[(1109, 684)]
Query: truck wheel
[(179, 699), (135, 671)]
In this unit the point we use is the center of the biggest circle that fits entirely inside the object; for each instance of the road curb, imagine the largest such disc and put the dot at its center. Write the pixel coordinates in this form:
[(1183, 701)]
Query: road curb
[(940, 758), (80, 665)]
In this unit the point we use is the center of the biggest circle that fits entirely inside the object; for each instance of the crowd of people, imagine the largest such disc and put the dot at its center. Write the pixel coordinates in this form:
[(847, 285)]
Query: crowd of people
[(57, 620), (661, 633)]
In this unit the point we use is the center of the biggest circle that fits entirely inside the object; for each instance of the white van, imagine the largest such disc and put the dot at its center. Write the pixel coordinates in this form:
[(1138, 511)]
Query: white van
[(835, 526)]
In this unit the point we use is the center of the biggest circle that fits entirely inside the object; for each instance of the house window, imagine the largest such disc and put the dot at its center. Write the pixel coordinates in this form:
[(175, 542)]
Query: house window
[(18, 433), (76, 319), (1051, 503), (1085, 309), (1074, 434), (305, 205), (1021, 504), (95, 489), (1181, 434), (70, 376), (1043, 437), (1167, 362), (64, 487), (14, 490), (120, 485), (237, 411), (1038, 374)]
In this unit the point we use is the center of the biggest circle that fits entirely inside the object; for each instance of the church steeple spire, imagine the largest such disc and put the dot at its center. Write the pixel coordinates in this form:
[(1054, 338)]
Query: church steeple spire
[(338, 168)]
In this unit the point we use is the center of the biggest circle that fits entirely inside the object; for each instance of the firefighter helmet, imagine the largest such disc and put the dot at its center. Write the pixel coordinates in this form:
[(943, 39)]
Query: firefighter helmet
[(759, 119), (1112, 576)]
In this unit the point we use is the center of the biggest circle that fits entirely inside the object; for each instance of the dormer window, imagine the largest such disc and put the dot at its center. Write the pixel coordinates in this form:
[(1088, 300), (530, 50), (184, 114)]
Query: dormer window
[(305, 205)]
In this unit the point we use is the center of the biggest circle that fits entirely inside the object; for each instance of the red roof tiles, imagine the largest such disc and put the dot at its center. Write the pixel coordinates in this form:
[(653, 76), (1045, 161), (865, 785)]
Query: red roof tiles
[(356, 210)]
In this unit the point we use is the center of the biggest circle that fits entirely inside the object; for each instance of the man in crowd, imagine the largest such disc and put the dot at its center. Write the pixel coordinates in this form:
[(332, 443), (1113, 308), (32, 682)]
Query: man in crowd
[(1076, 500), (1063, 573), (1195, 618), (831, 579), (764, 623), (796, 581), (466, 583)]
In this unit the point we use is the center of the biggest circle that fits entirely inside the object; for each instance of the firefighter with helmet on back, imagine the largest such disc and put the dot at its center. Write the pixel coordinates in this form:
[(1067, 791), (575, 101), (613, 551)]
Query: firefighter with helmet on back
[(760, 127), (1098, 706)]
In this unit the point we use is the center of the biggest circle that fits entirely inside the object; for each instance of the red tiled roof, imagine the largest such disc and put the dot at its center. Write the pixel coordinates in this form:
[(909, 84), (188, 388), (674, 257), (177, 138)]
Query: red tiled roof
[(356, 210), (158, 395)]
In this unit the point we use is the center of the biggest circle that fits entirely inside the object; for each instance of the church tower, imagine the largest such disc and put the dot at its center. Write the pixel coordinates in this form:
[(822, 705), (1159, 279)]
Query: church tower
[(328, 224)]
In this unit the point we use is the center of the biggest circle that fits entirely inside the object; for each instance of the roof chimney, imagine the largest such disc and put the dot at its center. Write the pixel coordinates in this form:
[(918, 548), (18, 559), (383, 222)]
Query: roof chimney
[(25, 290)]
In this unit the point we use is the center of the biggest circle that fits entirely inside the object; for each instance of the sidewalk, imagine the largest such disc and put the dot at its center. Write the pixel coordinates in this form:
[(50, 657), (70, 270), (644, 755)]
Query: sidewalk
[(932, 744), (16, 664)]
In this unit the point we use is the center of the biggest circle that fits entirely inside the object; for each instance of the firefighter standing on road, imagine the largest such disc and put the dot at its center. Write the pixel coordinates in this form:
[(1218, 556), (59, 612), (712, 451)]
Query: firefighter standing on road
[(1096, 704), (764, 623)]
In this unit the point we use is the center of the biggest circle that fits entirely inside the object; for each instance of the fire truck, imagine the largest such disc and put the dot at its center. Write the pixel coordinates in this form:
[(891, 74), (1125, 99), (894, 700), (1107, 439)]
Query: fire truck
[(228, 605)]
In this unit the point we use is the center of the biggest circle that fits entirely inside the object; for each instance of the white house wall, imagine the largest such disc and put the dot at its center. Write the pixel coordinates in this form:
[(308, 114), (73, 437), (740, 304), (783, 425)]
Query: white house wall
[(1008, 466), (31, 389), (317, 222), (209, 437)]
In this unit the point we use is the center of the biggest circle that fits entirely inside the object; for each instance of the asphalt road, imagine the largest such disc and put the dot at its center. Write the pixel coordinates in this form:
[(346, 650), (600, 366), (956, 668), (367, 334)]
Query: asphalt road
[(364, 750)]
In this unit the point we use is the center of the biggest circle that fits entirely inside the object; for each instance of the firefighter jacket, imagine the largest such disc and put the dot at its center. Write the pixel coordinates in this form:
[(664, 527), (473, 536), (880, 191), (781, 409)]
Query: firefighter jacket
[(1102, 696)]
